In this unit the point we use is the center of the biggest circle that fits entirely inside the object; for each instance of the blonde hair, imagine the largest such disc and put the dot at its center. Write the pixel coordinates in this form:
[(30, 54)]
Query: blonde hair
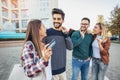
[(32, 34), (104, 32)]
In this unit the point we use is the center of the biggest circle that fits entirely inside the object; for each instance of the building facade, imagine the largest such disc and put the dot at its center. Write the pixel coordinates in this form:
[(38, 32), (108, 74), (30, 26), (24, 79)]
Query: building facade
[(19, 12)]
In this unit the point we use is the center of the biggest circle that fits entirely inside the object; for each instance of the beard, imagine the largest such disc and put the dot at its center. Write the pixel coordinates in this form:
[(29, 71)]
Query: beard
[(57, 24), (83, 28)]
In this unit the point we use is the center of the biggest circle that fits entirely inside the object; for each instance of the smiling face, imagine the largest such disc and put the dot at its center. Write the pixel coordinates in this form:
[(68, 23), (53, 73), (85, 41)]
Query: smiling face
[(42, 31), (84, 25), (57, 20), (97, 29)]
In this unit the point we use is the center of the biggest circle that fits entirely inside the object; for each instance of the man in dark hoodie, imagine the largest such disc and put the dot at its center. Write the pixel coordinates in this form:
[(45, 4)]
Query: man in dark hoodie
[(63, 42)]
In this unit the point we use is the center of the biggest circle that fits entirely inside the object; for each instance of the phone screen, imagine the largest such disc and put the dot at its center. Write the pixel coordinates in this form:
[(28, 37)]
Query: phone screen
[(51, 44)]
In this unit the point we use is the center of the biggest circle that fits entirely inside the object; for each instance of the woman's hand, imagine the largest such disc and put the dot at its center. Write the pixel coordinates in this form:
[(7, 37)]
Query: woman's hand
[(100, 45), (99, 41), (47, 53)]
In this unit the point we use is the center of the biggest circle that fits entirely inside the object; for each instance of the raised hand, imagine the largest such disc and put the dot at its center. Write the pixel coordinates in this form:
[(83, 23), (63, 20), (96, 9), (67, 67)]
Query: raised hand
[(82, 33), (47, 53), (63, 29)]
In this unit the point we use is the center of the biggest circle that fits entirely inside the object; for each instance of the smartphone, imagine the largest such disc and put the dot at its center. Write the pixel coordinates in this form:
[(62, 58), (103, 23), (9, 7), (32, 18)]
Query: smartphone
[(51, 44)]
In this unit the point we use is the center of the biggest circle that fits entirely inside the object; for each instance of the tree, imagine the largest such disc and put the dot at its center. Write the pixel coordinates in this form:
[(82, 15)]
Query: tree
[(115, 21)]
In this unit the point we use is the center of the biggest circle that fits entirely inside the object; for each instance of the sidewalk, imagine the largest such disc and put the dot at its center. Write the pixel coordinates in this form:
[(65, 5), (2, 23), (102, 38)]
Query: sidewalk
[(11, 43), (69, 57), (9, 56)]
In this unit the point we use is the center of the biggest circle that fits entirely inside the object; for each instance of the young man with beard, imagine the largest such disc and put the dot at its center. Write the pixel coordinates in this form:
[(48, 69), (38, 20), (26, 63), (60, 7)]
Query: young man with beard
[(82, 50), (63, 42)]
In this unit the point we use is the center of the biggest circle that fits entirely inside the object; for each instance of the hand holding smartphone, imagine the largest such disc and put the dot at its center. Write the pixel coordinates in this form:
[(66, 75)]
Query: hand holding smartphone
[(48, 50), (51, 44)]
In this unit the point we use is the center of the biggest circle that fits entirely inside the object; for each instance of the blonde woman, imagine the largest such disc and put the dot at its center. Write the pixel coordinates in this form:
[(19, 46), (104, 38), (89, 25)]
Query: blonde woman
[(34, 62), (100, 45)]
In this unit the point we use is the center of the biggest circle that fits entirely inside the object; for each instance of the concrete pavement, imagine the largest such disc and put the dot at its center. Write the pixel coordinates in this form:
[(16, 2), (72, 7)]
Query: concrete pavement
[(9, 56)]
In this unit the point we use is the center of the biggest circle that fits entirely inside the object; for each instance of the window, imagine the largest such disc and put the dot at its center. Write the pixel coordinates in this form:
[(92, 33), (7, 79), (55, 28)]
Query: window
[(4, 2), (24, 23), (14, 14), (5, 21), (24, 4), (4, 12), (24, 13), (15, 24)]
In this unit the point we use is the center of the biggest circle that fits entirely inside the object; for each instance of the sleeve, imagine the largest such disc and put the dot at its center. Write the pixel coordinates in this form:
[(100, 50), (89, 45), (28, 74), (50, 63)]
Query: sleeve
[(68, 41), (69, 44), (90, 48), (106, 47), (90, 51), (76, 39), (32, 68)]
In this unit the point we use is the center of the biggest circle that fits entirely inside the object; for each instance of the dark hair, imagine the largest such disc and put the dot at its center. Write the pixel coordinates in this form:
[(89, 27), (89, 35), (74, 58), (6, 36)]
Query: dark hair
[(85, 18), (58, 11)]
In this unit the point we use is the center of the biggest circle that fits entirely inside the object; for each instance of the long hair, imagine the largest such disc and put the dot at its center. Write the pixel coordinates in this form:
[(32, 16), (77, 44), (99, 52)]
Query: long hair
[(32, 34), (104, 32)]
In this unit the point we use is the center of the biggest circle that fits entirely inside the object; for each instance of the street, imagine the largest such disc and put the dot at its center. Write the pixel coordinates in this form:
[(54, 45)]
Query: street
[(11, 55)]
